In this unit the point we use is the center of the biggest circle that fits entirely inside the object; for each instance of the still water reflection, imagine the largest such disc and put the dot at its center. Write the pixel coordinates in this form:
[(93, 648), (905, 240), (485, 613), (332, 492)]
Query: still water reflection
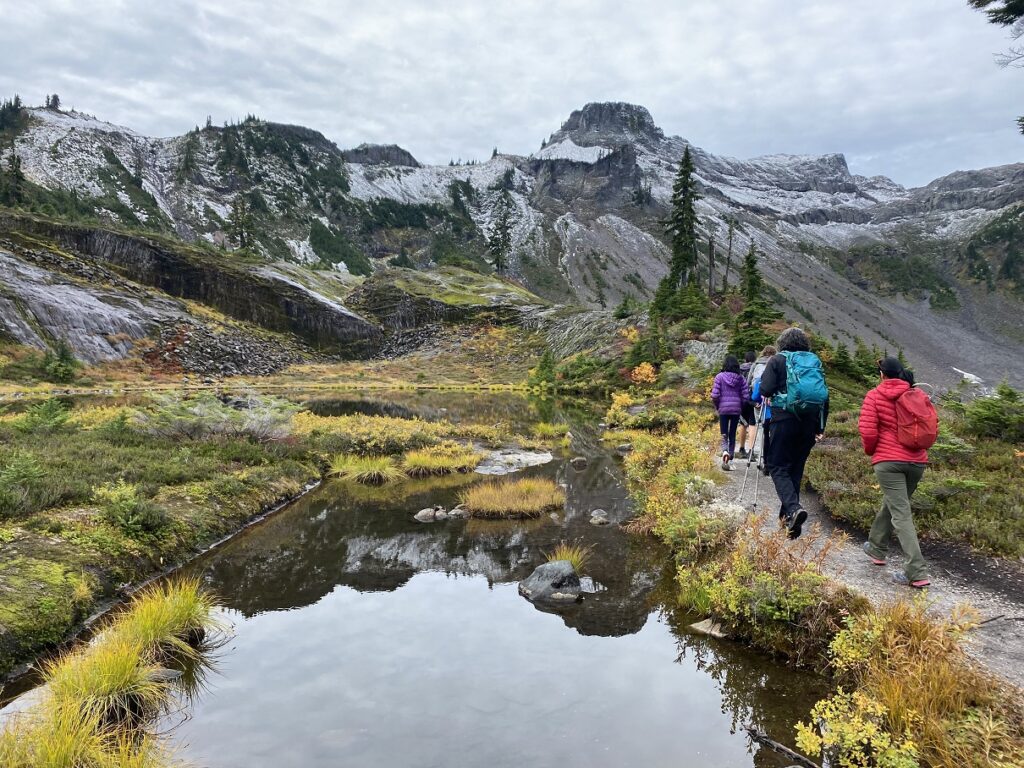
[(364, 638)]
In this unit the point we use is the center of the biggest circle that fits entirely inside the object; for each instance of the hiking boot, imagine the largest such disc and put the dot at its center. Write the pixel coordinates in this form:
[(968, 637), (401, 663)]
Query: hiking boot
[(867, 551), (795, 523), (725, 461), (741, 453), (899, 577)]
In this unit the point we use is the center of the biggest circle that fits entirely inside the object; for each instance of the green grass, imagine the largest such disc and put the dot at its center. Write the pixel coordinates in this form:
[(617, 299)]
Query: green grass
[(368, 470), (547, 430), (523, 498)]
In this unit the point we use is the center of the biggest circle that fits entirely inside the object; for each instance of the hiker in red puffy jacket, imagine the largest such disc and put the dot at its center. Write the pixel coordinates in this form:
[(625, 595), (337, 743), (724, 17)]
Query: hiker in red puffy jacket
[(898, 469)]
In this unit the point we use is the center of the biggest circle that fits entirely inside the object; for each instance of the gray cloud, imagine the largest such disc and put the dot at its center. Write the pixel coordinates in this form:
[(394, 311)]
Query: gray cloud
[(908, 89)]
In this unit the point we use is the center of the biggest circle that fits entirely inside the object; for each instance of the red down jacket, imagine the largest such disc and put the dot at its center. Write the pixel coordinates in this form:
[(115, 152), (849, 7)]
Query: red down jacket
[(878, 425)]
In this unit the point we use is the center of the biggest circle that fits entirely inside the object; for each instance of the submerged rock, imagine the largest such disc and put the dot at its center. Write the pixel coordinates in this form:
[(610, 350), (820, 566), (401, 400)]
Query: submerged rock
[(599, 517), (579, 463), (709, 627), (554, 581), (508, 460)]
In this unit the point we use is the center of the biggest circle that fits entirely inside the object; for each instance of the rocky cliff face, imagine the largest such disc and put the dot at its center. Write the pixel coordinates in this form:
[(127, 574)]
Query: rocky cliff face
[(578, 221)]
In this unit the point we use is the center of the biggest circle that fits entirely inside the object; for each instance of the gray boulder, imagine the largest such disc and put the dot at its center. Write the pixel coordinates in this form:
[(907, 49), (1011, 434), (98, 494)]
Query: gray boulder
[(556, 581)]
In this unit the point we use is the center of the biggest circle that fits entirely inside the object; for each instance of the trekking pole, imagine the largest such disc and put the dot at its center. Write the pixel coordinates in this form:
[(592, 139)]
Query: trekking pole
[(760, 457), (750, 456)]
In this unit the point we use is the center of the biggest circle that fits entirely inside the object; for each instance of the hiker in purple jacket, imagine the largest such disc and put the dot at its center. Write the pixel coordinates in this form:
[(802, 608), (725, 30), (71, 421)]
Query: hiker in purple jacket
[(729, 393)]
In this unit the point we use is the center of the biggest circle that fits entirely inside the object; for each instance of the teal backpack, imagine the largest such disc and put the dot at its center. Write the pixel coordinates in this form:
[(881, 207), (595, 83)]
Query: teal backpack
[(806, 391)]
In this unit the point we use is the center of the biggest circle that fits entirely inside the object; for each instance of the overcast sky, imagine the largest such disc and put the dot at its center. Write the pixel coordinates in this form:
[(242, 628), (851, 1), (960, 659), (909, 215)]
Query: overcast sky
[(905, 88)]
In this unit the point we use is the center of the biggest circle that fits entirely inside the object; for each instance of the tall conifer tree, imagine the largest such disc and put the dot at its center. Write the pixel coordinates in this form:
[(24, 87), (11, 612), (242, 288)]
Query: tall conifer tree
[(681, 226)]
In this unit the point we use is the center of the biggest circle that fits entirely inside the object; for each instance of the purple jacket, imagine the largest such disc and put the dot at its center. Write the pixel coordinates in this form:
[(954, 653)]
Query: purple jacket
[(729, 393)]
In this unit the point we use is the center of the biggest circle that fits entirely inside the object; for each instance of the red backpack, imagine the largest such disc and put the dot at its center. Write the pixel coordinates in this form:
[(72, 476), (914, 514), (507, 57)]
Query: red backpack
[(917, 422)]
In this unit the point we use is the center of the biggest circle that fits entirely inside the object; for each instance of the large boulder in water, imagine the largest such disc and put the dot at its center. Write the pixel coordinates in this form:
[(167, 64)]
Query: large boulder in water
[(554, 581)]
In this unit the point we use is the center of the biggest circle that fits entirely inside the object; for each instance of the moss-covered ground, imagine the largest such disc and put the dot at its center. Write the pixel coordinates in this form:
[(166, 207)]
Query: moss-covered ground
[(95, 496)]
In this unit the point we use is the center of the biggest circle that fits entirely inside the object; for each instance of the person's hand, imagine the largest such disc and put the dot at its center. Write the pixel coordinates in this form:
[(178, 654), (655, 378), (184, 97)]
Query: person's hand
[(818, 437)]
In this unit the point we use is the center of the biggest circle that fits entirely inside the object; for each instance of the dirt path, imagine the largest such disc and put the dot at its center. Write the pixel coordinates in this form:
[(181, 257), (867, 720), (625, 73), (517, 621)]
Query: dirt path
[(995, 587)]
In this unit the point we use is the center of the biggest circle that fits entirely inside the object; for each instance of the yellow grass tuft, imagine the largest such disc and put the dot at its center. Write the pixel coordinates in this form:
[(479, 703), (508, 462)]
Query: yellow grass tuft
[(526, 497), (99, 699), (369, 470), (576, 553), (445, 458)]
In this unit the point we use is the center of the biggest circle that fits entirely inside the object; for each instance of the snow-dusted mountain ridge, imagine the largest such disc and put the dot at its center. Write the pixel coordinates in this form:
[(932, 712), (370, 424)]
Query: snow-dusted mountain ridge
[(577, 221)]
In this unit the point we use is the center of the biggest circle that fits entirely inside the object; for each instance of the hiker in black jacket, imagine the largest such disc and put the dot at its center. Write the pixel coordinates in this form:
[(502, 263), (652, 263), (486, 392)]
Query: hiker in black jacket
[(792, 436)]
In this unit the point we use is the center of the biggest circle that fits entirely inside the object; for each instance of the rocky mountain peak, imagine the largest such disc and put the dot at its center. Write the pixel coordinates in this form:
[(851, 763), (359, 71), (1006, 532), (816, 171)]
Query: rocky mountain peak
[(381, 154), (609, 122)]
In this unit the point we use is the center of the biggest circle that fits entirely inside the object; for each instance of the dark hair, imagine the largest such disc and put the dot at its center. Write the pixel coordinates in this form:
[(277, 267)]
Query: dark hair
[(731, 365), (793, 340), (750, 357), (892, 368)]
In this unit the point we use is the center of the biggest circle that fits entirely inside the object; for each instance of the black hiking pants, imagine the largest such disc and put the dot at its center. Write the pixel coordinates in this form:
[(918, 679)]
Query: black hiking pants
[(785, 456), (728, 424)]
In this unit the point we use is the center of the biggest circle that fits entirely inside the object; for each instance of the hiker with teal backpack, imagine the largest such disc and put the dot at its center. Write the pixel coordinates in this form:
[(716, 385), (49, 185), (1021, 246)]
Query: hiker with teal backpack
[(794, 383), (897, 425)]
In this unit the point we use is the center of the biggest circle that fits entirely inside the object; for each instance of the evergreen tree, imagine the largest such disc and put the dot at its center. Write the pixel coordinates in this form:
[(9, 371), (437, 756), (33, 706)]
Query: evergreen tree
[(544, 374), (53, 102), (842, 360), (500, 241), (240, 222), (12, 189), (12, 114), (751, 282), (662, 301), (1007, 13), (681, 225), (711, 264), (757, 310), (728, 253), (626, 308)]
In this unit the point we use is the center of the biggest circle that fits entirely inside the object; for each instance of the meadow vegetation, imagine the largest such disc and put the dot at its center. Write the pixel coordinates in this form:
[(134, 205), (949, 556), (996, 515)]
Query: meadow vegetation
[(106, 493), (101, 701), (525, 497), (906, 693)]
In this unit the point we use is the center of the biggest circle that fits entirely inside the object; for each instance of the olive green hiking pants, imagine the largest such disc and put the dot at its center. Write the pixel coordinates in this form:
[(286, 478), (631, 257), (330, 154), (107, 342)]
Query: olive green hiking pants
[(898, 480)]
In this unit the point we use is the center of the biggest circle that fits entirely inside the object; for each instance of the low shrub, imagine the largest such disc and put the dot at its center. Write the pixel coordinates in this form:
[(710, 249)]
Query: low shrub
[(47, 416), (772, 592), (125, 508), (196, 417), (369, 470), (1001, 415), (916, 695), (20, 477), (526, 497)]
